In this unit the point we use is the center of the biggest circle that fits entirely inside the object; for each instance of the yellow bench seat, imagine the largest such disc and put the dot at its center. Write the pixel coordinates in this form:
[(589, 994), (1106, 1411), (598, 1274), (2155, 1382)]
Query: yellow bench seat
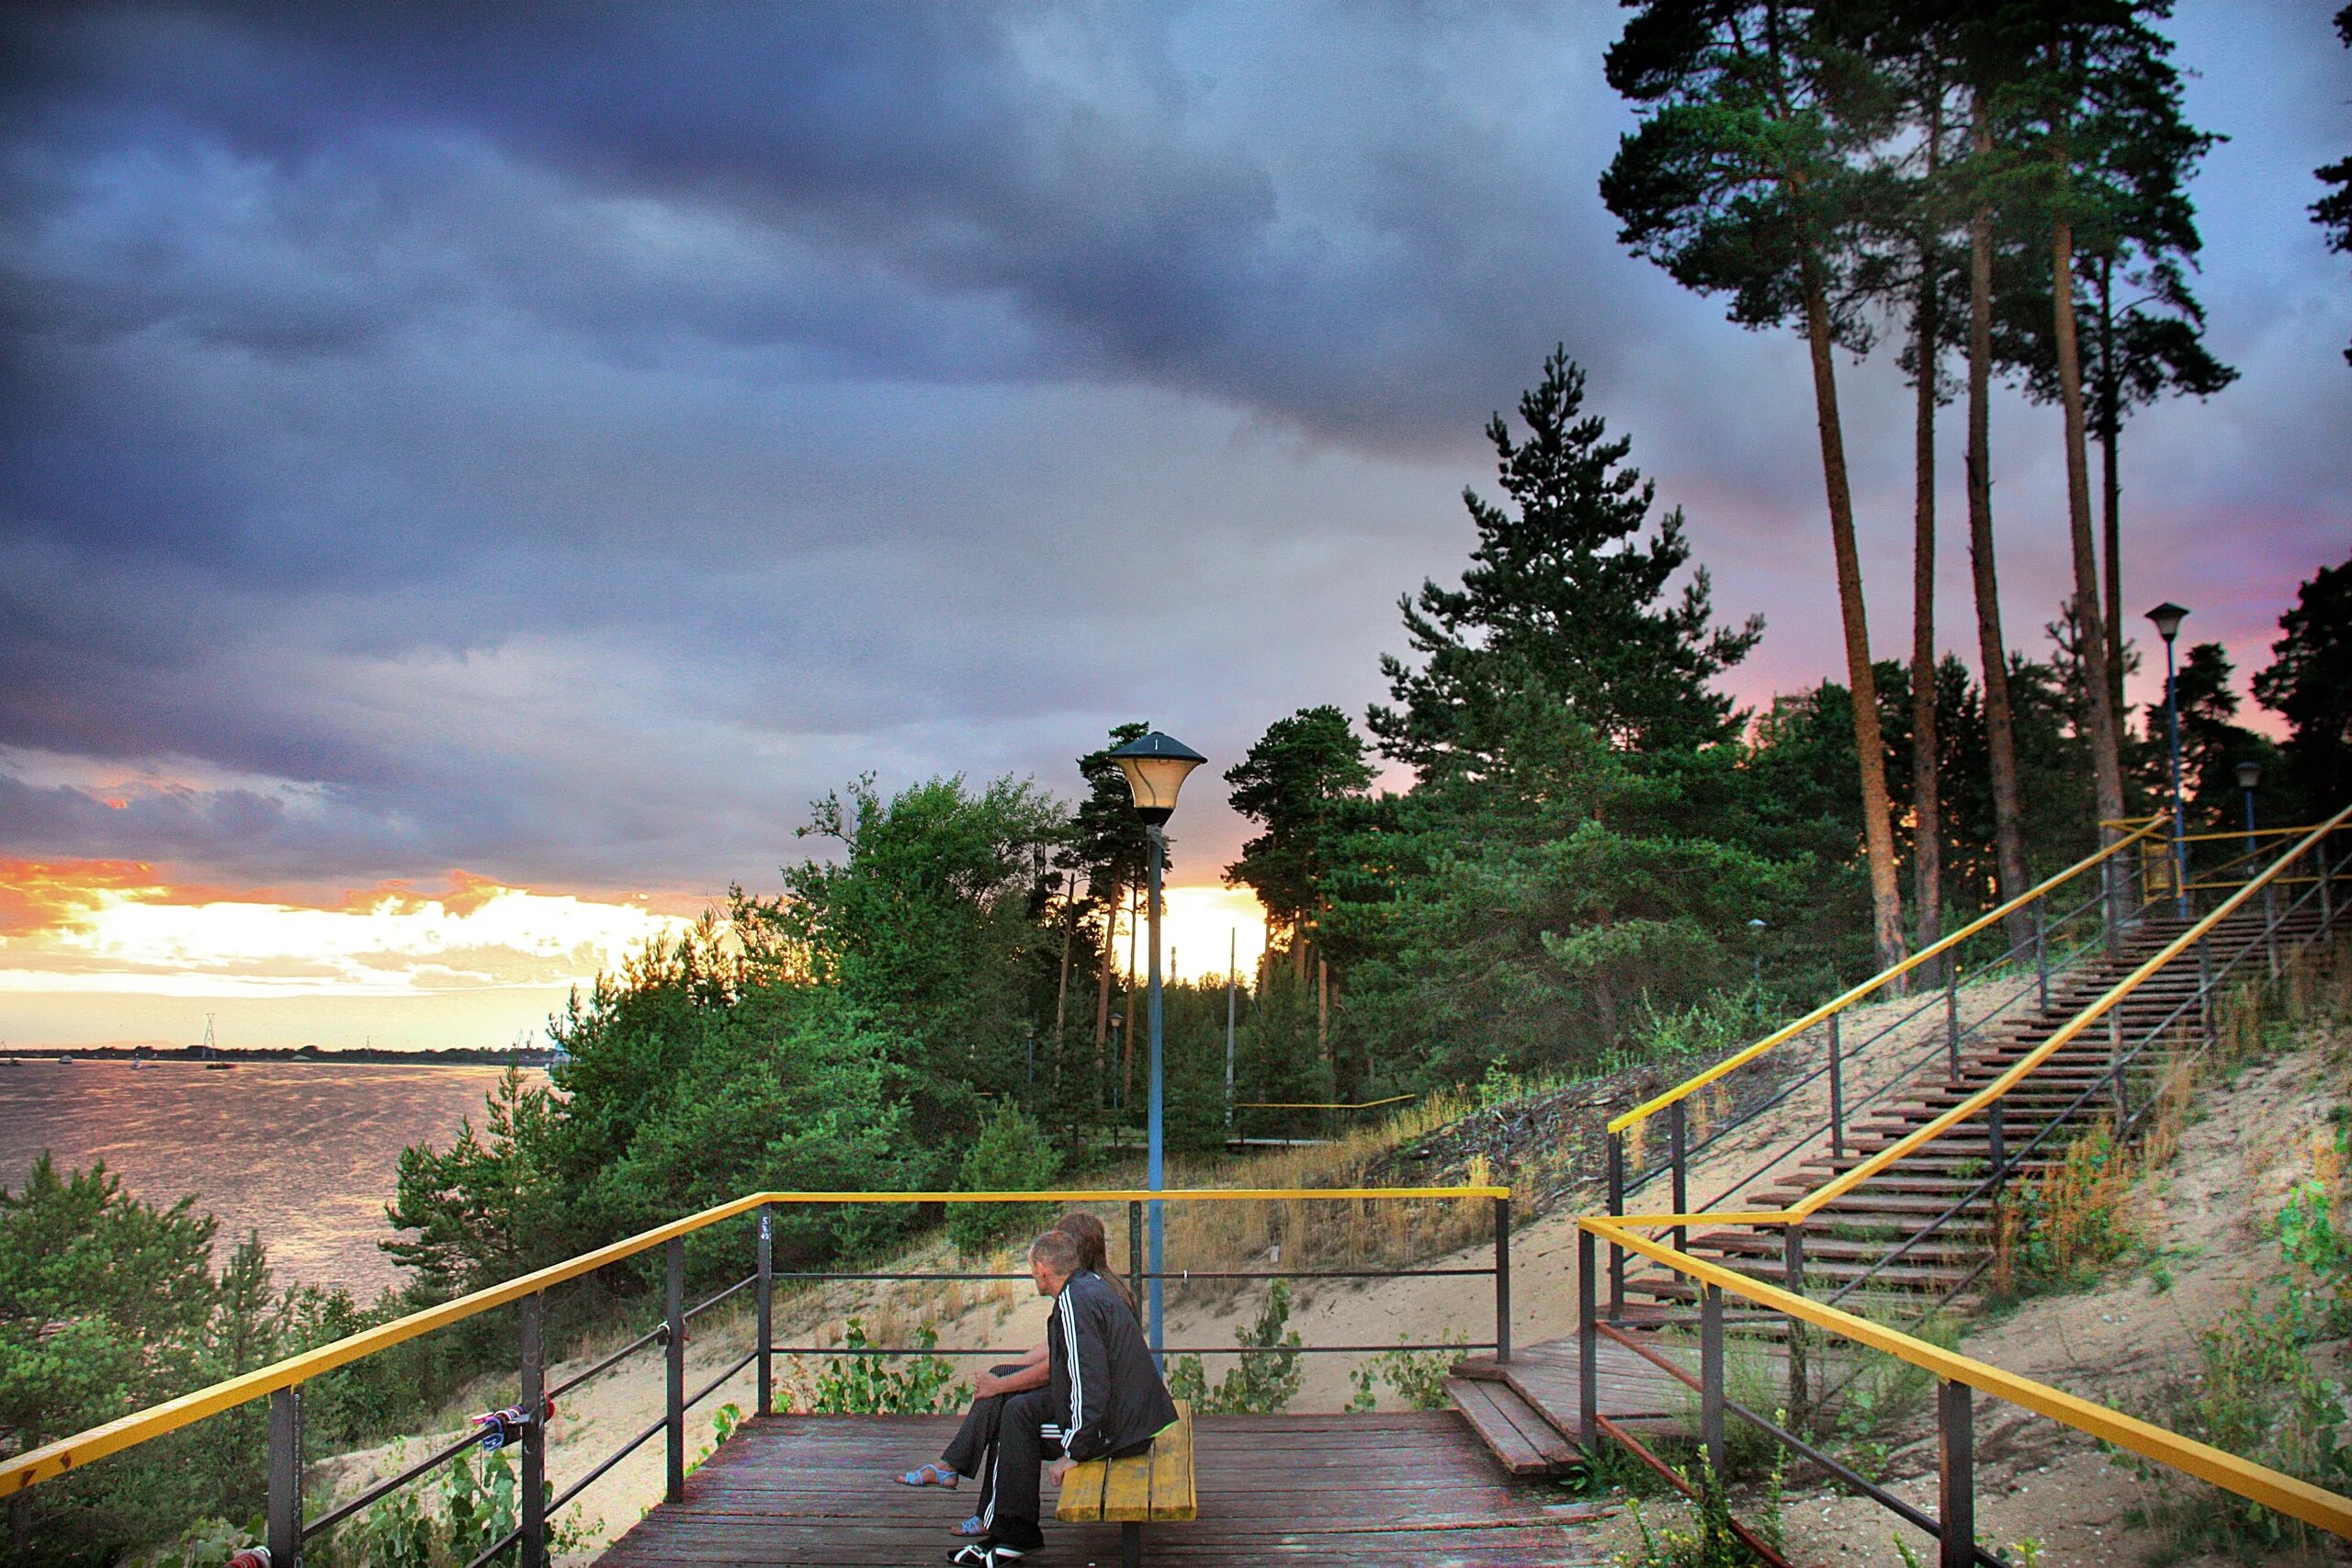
[(1152, 1488)]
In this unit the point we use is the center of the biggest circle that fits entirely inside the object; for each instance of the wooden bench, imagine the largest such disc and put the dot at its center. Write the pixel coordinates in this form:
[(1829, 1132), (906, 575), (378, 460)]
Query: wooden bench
[(1153, 1488)]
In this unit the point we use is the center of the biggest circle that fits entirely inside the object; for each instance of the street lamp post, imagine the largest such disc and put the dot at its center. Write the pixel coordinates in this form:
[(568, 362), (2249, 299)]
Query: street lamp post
[(1755, 951), (2167, 617), (1155, 765), (2249, 780)]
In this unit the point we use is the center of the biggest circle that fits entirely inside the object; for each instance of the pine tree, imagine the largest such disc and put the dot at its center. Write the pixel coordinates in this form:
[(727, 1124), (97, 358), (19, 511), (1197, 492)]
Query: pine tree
[(1566, 601), (1744, 178)]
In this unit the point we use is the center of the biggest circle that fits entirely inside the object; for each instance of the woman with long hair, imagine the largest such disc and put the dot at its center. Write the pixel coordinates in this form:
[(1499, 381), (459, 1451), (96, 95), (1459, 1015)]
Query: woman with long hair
[(990, 1389)]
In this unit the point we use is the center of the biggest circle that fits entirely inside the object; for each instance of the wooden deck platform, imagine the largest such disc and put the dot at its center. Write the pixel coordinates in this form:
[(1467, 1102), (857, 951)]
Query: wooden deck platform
[(1412, 1488)]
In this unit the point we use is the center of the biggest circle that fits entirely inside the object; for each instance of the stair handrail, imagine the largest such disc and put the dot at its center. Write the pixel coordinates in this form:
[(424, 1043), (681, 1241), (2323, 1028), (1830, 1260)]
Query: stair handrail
[(1830, 1191), (2245, 1478), (1848, 998)]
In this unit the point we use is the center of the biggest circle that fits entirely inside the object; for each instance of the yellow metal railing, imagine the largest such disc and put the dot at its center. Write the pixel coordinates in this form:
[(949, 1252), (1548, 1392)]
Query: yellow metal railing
[(2298, 1499), (53, 1460), (2272, 1489), (1885, 977), (1926, 1134)]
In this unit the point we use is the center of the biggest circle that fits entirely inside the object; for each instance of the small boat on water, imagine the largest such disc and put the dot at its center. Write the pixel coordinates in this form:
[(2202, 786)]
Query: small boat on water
[(217, 1066), (64, 1061)]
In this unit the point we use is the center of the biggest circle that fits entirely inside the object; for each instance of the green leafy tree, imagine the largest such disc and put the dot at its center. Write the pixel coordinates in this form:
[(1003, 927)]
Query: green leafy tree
[(2309, 684), (1012, 1154), (1109, 845), (1295, 783), (1745, 177), (108, 1304)]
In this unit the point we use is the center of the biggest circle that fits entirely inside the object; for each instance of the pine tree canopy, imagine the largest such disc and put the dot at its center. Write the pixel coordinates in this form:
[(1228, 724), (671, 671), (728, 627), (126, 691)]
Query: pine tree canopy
[(1566, 601)]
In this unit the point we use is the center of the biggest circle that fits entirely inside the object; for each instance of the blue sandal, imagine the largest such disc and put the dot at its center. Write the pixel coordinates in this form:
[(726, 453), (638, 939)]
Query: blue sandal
[(931, 1475), (971, 1527)]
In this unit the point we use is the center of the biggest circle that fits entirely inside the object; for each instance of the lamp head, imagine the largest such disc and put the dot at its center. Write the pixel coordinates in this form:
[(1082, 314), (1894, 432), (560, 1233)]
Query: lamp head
[(1156, 765), (2249, 775), (2168, 616), (1756, 925)]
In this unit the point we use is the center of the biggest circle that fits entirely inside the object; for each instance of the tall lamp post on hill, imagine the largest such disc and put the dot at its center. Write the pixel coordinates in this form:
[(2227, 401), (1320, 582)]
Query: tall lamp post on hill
[(2168, 616), (1156, 766)]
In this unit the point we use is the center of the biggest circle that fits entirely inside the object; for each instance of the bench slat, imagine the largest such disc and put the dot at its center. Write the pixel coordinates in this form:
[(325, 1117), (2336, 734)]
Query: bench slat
[(1151, 1488)]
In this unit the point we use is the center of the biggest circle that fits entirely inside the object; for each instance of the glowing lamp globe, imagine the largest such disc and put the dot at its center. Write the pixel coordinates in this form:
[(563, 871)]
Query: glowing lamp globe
[(1156, 765), (2249, 775), (2168, 616)]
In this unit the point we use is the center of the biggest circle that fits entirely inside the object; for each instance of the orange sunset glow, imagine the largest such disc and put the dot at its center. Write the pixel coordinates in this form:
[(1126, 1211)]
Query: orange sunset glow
[(109, 951)]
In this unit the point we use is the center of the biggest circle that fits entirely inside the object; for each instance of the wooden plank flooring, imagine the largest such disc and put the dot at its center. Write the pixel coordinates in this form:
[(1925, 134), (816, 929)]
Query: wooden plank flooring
[(1415, 1488)]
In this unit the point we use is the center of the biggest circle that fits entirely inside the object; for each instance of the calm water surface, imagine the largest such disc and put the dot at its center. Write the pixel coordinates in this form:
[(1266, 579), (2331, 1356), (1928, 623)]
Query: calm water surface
[(302, 1152)]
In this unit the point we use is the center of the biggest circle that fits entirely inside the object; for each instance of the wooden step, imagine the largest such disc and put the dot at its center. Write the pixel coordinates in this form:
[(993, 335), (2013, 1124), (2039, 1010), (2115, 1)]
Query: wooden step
[(1755, 1243), (1521, 1440)]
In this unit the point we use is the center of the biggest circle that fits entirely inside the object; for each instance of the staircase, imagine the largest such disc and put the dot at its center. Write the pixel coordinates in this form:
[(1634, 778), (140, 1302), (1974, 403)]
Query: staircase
[(1849, 1239), (1525, 1409)]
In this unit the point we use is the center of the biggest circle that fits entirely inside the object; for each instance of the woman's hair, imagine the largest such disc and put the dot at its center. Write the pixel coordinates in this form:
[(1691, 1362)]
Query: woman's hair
[(1094, 1248)]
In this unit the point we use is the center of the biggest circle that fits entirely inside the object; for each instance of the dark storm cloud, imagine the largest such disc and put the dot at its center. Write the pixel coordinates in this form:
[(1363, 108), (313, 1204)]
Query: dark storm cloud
[(560, 440), (927, 189)]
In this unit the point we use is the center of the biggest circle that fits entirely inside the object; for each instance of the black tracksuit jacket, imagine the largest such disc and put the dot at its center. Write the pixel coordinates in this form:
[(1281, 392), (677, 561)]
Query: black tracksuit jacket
[(1105, 1389)]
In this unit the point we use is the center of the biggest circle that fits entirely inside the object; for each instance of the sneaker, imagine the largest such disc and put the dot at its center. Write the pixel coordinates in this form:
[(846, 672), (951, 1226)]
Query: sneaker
[(986, 1552)]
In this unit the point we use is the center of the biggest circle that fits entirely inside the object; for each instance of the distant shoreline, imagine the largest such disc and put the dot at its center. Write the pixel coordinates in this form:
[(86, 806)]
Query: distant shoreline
[(445, 1056)]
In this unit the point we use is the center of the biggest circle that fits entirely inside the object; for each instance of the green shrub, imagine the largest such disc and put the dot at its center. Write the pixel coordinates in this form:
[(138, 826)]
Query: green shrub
[(1266, 1378), (1012, 1154), (869, 1385), (1418, 1377), (2256, 1394)]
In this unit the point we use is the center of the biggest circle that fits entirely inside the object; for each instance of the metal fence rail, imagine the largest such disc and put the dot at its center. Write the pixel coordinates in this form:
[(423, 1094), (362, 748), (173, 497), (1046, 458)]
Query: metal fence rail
[(281, 1383)]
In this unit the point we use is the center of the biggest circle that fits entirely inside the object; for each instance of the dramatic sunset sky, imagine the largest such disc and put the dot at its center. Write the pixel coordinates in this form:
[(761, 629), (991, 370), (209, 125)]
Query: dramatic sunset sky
[(471, 474)]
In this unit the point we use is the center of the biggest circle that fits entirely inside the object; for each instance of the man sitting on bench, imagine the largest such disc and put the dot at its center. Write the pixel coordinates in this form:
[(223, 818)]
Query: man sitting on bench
[(1104, 1398)]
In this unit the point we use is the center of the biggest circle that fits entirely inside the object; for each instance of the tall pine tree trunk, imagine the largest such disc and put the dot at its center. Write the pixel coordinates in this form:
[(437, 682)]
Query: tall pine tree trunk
[(1102, 989), (2110, 426), (2090, 625), (1869, 745), (1992, 648), (1927, 802)]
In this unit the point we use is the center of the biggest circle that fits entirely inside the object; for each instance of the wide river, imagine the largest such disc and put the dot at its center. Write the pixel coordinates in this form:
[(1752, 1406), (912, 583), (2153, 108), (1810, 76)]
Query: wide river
[(302, 1152)]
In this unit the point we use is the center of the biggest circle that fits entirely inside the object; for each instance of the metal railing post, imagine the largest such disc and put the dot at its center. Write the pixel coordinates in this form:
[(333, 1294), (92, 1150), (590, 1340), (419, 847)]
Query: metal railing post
[(1134, 1257), (1588, 1344), (1677, 1143), (1502, 1279), (285, 1528), (2041, 953), (765, 1309), (1792, 1269), (1711, 1377), (1616, 1211), (1836, 1091), (2207, 1013), (674, 1400), (2115, 1056), (532, 1486), (1999, 1153), (1951, 1015), (2327, 888), (1956, 1477)]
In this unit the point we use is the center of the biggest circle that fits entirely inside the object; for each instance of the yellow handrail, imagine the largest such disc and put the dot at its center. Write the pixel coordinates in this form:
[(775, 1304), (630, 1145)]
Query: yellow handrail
[(2259, 1483), (45, 1463), (2240, 835), (1829, 1193), (1839, 1004)]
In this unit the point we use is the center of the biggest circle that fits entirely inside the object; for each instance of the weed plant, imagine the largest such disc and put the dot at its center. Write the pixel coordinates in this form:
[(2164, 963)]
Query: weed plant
[(1417, 1378), (859, 1384), (1707, 1540), (1263, 1380)]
